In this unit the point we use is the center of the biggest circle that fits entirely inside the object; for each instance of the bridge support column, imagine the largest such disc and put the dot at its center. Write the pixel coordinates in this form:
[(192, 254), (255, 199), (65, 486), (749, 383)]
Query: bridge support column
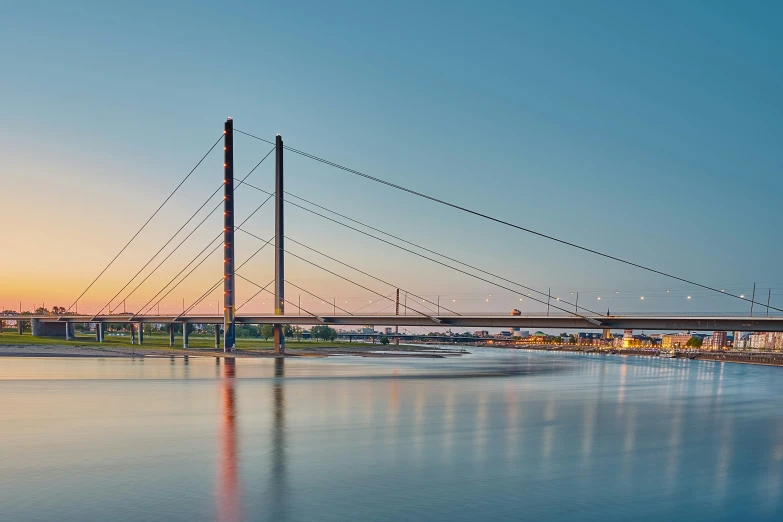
[(185, 332), (217, 337), (279, 251), (141, 333), (132, 333), (68, 336), (20, 327), (99, 332), (171, 334), (397, 328)]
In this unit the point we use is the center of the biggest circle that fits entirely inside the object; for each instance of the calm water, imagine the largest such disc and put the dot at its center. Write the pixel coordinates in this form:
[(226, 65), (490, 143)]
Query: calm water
[(497, 434)]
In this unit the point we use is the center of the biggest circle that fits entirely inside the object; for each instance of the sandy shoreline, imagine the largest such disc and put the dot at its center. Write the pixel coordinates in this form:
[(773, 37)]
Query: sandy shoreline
[(59, 350)]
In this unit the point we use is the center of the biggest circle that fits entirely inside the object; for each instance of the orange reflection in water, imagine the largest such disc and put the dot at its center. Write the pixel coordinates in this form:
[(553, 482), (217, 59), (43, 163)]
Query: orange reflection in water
[(228, 478)]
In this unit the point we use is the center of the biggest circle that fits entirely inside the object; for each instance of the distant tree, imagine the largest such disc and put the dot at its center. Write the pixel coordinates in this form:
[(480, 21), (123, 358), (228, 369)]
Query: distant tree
[(246, 330), (323, 332), (41, 311), (298, 332), (267, 331), (694, 342), (317, 332), (384, 339), (571, 338)]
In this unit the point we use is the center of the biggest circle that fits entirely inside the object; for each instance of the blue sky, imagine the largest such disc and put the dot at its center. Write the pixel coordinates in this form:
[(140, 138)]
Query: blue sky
[(648, 130)]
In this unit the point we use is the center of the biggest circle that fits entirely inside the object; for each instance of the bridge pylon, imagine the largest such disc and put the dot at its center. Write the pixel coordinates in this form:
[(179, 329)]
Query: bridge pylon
[(279, 334), (229, 293)]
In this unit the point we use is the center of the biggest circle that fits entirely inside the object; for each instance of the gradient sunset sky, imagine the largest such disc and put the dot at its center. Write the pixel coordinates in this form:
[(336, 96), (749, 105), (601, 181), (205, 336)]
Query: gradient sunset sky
[(648, 130)]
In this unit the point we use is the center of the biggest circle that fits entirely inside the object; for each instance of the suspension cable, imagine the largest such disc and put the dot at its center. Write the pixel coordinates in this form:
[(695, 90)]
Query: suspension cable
[(146, 222), (512, 225), (193, 261), (217, 283), (162, 248), (254, 295), (364, 273), (264, 289), (193, 231), (317, 297), (337, 275), (428, 249), (438, 261)]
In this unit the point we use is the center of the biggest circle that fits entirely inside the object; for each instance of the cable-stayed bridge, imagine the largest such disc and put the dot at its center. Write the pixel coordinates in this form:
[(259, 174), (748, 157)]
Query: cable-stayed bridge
[(424, 313)]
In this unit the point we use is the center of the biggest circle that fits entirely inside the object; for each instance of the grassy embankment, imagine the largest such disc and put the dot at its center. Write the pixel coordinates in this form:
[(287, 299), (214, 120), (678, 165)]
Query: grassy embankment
[(160, 342)]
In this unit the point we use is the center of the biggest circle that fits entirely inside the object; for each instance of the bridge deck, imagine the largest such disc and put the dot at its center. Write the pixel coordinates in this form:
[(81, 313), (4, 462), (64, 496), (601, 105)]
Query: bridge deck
[(672, 323)]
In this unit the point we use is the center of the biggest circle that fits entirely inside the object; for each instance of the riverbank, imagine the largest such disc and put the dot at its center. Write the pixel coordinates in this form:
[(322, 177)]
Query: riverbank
[(767, 359)]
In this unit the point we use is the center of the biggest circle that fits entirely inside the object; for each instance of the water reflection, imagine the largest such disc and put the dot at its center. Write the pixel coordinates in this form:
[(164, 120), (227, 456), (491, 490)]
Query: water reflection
[(228, 481), (604, 438), (278, 478)]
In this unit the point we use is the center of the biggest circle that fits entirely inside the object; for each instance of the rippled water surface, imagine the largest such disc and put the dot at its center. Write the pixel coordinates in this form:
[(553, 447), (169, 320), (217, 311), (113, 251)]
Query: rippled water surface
[(496, 434)]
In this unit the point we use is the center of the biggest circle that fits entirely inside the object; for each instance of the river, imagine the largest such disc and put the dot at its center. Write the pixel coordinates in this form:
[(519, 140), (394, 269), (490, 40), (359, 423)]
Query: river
[(498, 434)]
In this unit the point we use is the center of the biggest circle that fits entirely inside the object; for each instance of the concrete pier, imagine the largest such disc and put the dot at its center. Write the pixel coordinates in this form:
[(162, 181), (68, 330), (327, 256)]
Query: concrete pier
[(20, 327), (171, 334), (141, 333), (217, 337), (185, 331), (46, 329), (132, 333), (99, 332)]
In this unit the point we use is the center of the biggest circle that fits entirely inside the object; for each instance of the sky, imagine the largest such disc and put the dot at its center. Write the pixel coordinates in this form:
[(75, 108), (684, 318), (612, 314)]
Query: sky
[(647, 130)]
